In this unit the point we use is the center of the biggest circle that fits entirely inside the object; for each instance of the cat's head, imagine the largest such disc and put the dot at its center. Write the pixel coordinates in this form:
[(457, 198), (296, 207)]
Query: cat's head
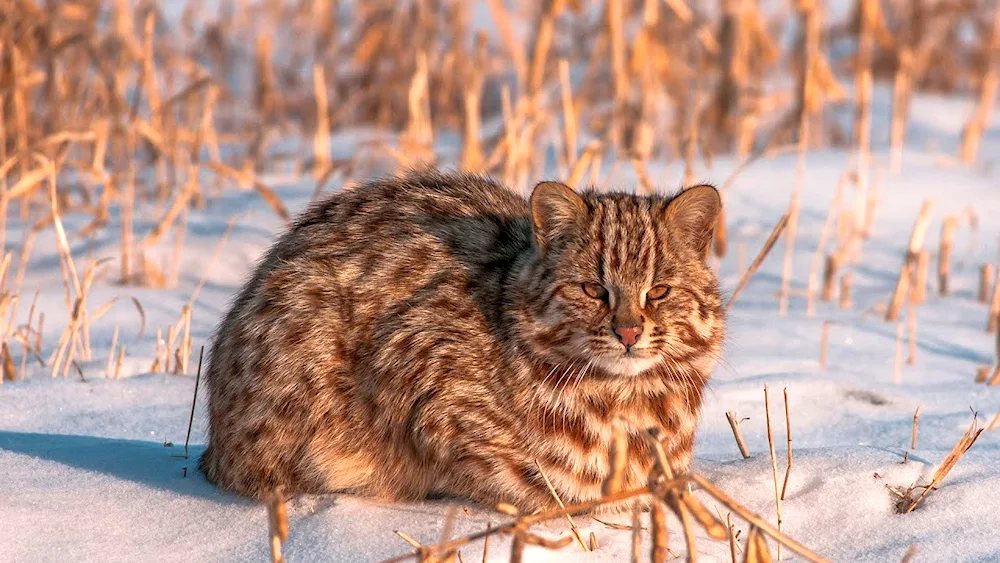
[(621, 284)]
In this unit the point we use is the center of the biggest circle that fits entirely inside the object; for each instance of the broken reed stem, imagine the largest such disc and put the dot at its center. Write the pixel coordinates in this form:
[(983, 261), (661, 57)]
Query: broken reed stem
[(989, 85), (774, 462), (962, 446), (788, 432), (867, 12), (994, 318), (919, 287), (555, 495), (277, 524), (756, 520), (636, 533), (897, 366), (845, 291), (732, 537), (910, 261), (570, 135), (948, 229), (738, 434), (775, 233), (529, 520), (658, 521), (900, 97), (194, 401), (108, 371), (916, 425), (985, 278), (321, 138), (911, 330), (824, 339)]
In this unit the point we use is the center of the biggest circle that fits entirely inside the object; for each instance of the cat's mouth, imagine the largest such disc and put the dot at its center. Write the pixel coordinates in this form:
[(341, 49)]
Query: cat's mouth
[(628, 363)]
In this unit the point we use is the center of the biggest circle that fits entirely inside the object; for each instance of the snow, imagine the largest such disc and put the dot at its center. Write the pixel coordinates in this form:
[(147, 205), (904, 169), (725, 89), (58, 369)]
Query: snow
[(95, 470)]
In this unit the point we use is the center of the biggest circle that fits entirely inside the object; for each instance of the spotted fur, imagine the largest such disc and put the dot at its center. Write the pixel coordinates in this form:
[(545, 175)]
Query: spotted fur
[(429, 334)]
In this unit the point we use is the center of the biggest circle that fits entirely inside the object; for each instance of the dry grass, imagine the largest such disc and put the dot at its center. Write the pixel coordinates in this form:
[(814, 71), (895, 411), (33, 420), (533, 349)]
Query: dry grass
[(148, 119), (908, 499), (665, 490)]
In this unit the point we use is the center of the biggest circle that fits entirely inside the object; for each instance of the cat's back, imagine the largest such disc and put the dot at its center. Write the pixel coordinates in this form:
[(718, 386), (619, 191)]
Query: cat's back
[(468, 216)]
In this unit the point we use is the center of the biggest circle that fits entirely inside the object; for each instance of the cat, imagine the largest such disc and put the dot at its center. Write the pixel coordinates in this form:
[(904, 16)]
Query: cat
[(437, 334)]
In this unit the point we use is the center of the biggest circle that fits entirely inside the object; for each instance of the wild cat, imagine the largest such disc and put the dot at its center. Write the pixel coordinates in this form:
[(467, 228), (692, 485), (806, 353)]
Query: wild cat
[(437, 334)]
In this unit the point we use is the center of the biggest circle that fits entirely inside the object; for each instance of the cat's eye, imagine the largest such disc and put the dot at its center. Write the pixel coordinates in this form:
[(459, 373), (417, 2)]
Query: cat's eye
[(595, 290), (658, 292)]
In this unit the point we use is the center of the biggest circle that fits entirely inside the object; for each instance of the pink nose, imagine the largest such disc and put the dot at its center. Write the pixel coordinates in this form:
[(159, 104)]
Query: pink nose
[(629, 335)]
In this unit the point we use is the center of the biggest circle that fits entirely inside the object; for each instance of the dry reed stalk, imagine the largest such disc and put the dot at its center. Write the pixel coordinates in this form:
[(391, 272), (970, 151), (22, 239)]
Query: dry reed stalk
[(118, 363), (830, 276), (174, 271), (775, 233), (502, 19), (658, 520), (995, 380), (916, 426), (738, 434), (982, 374), (572, 525), (172, 332), (985, 278), (643, 175), (720, 240), (963, 445), (472, 146), (817, 258), (732, 537), (185, 345), (277, 518), (570, 128), (900, 97), (914, 248), (589, 154), (788, 432), (321, 137), (867, 17), (617, 461), (637, 533), (824, 339), (994, 315), (989, 85), (948, 229), (756, 520), (616, 36), (543, 36), (757, 550), (109, 370), (845, 291), (127, 206), (7, 359), (919, 287), (911, 329), (159, 352), (809, 102), (774, 463), (995, 423), (897, 366), (693, 130)]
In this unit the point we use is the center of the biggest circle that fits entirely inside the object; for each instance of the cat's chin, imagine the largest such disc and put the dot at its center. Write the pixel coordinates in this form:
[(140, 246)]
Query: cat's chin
[(627, 365)]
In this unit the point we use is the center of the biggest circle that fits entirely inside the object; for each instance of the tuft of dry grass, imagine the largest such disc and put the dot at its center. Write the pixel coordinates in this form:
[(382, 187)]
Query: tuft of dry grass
[(907, 499)]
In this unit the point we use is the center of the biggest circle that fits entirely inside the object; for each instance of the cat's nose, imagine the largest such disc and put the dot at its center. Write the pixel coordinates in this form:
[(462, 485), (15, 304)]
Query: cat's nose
[(628, 335)]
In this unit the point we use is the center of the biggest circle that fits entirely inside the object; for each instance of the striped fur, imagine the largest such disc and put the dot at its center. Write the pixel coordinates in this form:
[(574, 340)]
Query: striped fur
[(428, 335)]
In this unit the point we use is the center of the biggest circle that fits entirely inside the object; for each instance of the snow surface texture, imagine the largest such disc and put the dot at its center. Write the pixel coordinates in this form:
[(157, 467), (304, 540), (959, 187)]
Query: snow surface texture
[(94, 470)]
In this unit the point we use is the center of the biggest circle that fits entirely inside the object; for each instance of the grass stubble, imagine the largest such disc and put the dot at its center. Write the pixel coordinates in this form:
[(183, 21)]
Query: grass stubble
[(149, 120)]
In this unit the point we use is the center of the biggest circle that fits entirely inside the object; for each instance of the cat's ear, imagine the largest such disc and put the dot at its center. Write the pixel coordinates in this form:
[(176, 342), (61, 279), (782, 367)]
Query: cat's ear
[(556, 211), (693, 215)]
